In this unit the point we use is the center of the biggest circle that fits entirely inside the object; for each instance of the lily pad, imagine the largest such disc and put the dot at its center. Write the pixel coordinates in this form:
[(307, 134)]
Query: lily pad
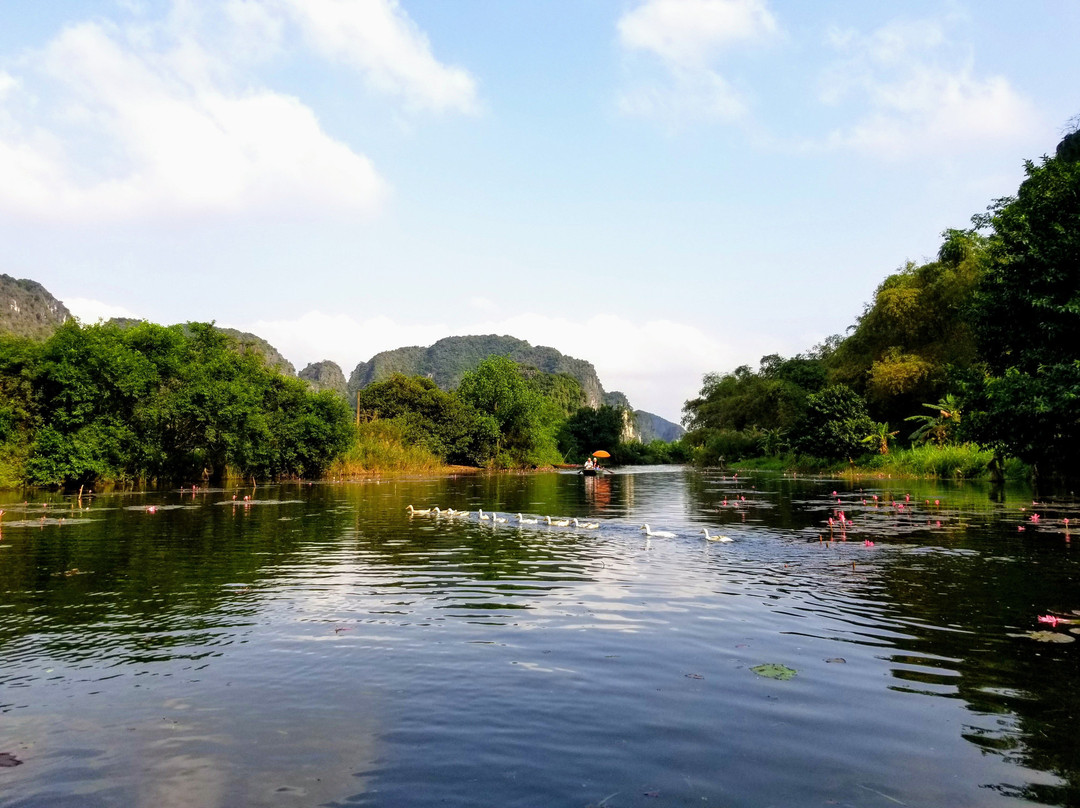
[(1050, 636), (771, 670)]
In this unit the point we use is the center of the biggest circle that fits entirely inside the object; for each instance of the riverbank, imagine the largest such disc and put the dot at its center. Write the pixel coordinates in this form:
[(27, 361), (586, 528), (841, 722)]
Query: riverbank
[(954, 462)]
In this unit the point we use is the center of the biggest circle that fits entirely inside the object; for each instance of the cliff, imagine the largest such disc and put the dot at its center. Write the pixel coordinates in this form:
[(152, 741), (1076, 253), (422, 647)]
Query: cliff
[(652, 427), (28, 310), (325, 375)]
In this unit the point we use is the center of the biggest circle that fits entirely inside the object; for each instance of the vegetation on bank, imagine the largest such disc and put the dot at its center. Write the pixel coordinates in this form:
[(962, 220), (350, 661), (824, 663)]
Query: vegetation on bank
[(146, 403), (966, 365)]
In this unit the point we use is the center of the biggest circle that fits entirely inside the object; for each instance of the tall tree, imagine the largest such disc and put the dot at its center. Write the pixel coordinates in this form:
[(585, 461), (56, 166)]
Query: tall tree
[(1027, 316)]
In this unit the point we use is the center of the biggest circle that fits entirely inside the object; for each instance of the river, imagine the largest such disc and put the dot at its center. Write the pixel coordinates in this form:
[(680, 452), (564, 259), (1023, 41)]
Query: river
[(313, 644)]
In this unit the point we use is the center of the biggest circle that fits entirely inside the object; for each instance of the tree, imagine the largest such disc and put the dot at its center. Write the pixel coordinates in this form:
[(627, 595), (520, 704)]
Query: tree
[(1027, 318), (834, 425), (497, 388), (940, 425), (915, 335), (590, 429), (439, 421)]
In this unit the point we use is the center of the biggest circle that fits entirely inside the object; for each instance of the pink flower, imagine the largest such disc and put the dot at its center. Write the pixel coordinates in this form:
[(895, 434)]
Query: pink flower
[(868, 543), (1020, 528), (1048, 618), (1034, 517)]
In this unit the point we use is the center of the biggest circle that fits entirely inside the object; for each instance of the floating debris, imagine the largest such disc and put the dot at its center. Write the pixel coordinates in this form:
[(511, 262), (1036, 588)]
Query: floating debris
[(7, 760), (1048, 636), (770, 670)]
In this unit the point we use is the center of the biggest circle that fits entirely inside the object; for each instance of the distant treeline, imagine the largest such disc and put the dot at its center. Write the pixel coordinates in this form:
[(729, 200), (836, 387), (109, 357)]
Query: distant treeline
[(143, 403), (979, 348)]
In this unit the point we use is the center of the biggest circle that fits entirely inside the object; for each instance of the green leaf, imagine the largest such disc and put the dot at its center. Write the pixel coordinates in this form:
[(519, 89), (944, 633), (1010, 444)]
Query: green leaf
[(771, 670)]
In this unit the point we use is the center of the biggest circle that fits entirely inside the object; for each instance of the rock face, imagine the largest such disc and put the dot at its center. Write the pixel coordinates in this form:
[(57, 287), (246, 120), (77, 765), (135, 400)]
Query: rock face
[(28, 310), (450, 358), (325, 375), (652, 427), (248, 342)]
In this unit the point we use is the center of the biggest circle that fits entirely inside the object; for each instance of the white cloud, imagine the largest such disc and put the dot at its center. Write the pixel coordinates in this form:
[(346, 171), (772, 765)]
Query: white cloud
[(688, 37), (90, 311), (692, 32), (918, 92), (378, 38), (125, 130), (163, 118), (657, 363), (685, 96)]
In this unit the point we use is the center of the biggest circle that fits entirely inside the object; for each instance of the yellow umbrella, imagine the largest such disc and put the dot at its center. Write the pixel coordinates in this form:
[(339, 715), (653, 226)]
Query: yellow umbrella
[(601, 453)]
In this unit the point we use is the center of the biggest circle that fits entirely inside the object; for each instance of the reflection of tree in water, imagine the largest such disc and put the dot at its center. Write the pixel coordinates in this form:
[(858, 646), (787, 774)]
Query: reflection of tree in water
[(1022, 694)]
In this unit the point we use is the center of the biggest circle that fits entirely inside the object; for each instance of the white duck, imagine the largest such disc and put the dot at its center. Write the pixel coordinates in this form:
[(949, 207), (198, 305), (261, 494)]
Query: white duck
[(705, 530), (415, 512), (496, 519), (557, 522), (523, 521), (660, 534), (483, 516), (585, 525)]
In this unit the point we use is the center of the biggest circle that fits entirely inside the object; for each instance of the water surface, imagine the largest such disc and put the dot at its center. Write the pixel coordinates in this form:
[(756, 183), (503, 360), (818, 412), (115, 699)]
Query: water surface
[(314, 645)]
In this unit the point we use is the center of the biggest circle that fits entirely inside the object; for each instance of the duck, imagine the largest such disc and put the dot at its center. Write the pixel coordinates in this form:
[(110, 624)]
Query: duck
[(585, 525), (496, 519), (705, 530), (458, 514), (523, 521), (415, 512), (436, 511), (483, 516), (557, 522), (660, 534)]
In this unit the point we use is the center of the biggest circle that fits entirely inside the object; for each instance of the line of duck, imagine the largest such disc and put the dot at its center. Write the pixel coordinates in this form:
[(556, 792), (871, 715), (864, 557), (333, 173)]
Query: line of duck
[(493, 518)]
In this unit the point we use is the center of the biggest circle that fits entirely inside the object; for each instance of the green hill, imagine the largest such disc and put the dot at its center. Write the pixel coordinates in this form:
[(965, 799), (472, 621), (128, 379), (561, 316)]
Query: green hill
[(28, 310)]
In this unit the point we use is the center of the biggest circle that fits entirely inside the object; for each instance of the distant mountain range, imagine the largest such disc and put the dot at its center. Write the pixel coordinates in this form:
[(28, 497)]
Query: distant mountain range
[(28, 309)]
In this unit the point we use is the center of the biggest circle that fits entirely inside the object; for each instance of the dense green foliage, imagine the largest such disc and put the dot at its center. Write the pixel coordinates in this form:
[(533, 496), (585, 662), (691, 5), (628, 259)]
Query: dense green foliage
[(1027, 319), (588, 430), (147, 402), (990, 329)]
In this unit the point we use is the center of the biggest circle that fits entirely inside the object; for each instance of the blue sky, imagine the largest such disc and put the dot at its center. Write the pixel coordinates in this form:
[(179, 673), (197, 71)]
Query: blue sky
[(663, 187)]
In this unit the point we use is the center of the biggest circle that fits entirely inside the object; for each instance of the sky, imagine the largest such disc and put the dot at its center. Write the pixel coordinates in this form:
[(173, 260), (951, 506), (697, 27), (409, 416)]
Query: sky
[(665, 188)]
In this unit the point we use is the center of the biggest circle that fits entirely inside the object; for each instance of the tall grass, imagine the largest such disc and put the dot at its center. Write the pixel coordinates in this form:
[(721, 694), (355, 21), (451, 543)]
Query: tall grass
[(955, 461), (380, 447)]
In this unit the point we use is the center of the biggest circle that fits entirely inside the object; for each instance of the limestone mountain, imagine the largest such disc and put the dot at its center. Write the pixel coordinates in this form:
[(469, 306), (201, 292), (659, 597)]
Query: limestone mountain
[(652, 427), (325, 375), (27, 309), (450, 358)]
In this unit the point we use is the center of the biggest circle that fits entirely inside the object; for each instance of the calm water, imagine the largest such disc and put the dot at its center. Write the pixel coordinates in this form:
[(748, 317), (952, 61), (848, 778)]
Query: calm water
[(317, 646)]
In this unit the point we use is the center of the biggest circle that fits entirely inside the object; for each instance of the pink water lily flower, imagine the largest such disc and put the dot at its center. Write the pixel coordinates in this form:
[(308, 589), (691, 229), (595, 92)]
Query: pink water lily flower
[(1049, 618)]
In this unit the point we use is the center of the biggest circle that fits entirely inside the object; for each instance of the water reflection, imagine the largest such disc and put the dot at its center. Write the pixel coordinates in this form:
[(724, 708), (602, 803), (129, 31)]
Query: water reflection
[(315, 645)]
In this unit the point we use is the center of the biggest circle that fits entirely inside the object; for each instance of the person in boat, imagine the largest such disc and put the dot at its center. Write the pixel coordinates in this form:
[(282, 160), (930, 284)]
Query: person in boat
[(589, 464)]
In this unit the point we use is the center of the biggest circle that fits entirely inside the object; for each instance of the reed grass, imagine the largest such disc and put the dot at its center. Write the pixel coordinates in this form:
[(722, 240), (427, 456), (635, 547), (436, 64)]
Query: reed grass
[(380, 447)]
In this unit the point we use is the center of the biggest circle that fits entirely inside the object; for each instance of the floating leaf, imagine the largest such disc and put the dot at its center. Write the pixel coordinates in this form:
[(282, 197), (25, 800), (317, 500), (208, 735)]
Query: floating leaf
[(836, 659), (771, 670), (7, 760), (1050, 636), (694, 676)]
